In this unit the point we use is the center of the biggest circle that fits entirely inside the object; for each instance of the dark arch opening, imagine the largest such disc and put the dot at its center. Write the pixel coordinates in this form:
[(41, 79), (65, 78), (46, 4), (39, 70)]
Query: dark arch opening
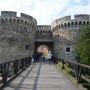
[(18, 21), (14, 20), (38, 31), (43, 31), (6, 19), (87, 22), (21, 21), (68, 24), (72, 23), (25, 22), (84, 22), (76, 23), (80, 23), (10, 20), (65, 25), (49, 31), (59, 25)]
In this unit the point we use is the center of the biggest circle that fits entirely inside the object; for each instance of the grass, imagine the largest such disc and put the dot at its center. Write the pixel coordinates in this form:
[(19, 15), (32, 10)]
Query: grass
[(69, 73)]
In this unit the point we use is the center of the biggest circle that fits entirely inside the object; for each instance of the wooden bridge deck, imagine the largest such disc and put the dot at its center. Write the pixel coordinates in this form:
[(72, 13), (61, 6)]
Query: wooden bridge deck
[(42, 76)]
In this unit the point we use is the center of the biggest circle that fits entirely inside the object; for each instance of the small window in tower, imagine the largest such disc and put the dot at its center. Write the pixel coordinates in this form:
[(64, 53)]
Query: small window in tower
[(27, 47), (67, 49)]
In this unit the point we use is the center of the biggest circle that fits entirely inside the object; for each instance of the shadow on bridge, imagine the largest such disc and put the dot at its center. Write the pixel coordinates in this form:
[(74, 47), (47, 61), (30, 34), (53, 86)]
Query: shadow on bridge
[(41, 76)]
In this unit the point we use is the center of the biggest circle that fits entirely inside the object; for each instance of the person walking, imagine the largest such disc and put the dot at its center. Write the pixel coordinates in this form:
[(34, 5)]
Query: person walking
[(37, 56), (49, 57), (43, 57), (32, 58)]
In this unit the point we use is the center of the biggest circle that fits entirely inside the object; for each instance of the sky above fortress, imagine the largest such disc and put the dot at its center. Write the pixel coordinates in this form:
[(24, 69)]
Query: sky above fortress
[(46, 11)]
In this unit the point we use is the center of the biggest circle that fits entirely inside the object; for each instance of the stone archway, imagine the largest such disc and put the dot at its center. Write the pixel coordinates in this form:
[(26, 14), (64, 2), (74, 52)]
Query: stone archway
[(48, 45), (44, 49)]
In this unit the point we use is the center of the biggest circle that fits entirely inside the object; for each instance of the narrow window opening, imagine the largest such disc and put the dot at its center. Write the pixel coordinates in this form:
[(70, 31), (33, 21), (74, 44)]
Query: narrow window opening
[(67, 49), (27, 47)]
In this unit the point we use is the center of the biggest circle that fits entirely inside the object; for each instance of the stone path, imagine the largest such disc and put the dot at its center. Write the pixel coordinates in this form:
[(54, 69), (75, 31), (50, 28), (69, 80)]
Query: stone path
[(42, 76)]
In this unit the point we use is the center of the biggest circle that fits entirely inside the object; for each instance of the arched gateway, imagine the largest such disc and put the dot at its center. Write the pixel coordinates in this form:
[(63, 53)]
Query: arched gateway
[(20, 36), (43, 37)]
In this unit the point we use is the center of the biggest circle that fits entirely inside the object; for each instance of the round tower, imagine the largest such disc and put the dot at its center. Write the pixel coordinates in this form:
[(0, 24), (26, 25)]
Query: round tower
[(65, 31), (17, 35)]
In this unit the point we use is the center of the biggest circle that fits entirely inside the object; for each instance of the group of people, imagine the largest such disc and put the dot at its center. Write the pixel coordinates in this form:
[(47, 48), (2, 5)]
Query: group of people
[(35, 58)]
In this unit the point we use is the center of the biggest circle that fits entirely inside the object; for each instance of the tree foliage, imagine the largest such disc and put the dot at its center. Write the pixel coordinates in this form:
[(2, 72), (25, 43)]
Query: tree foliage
[(83, 45)]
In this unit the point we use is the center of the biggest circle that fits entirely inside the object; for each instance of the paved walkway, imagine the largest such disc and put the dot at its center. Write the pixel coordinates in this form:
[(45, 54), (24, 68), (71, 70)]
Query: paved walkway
[(42, 76)]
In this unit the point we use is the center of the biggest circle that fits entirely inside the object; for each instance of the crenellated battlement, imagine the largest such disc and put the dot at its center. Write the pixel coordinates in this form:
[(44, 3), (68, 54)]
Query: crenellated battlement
[(64, 19), (44, 27), (67, 22), (12, 16), (82, 17), (26, 17), (18, 35), (8, 14), (44, 32)]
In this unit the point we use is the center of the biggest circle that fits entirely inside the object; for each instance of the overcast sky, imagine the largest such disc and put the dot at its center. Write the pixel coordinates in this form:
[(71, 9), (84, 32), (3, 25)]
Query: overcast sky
[(46, 11)]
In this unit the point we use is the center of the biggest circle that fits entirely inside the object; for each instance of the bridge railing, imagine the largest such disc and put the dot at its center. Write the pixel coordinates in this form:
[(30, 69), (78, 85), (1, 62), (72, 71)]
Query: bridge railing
[(80, 71), (9, 70)]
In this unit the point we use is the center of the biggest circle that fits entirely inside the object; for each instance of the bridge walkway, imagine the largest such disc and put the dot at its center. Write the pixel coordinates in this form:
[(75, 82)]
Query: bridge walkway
[(42, 76)]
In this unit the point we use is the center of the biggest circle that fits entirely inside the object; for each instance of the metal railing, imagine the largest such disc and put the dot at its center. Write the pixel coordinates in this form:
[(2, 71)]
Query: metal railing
[(10, 69), (77, 69)]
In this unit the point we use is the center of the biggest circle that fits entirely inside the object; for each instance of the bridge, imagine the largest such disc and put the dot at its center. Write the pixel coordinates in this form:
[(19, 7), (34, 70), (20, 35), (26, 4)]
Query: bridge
[(21, 36), (38, 76)]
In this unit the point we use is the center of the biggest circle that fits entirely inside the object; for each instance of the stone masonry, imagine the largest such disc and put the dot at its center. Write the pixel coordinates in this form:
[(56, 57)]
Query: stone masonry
[(65, 30), (19, 34)]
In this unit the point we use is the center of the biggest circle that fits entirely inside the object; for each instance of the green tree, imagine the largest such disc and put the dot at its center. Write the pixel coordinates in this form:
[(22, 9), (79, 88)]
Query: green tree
[(83, 45)]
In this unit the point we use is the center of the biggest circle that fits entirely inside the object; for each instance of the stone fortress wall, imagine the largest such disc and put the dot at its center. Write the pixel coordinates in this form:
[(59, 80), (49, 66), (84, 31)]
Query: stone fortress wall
[(44, 32), (17, 35), (65, 30)]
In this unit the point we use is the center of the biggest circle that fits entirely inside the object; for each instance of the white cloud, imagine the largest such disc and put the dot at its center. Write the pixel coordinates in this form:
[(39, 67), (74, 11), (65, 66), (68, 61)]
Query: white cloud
[(45, 11), (77, 1), (78, 10)]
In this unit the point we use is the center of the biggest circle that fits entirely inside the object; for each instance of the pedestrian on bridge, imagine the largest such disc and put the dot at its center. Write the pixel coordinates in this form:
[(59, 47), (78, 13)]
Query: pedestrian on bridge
[(49, 57), (43, 57), (37, 56), (32, 58)]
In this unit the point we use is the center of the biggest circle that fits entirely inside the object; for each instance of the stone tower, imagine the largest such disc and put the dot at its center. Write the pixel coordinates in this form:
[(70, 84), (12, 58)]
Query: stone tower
[(17, 35), (65, 31), (21, 36)]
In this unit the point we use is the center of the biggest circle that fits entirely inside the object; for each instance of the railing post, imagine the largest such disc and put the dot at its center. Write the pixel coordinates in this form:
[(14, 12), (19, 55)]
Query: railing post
[(76, 71), (26, 60), (79, 73), (4, 70), (30, 60), (62, 64), (16, 66), (22, 63)]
